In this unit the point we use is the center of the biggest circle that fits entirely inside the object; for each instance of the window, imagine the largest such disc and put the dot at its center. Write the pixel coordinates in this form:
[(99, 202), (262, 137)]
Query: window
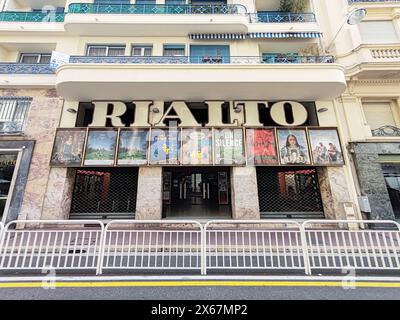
[(145, 1), (378, 32), (209, 54), (142, 50), (105, 51), (13, 114), (175, 2), (31, 58), (174, 50), (379, 114)]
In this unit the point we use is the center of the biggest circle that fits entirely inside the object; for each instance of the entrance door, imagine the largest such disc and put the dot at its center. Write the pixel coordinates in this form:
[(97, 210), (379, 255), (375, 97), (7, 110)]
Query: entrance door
[(196, 193), (392, 178), (7, 180)]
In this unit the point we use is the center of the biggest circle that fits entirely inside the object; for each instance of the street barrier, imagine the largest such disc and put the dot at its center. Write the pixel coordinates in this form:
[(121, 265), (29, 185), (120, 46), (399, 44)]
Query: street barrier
[(254, 245), (41, 245), (152, 245), (351, 246), (182, 245)]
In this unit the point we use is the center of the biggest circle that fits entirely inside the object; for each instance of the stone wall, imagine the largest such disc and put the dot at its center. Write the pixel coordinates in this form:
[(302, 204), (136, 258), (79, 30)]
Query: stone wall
[(370, 176)]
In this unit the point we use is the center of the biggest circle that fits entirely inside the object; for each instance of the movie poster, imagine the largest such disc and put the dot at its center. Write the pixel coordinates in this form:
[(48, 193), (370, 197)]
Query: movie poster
[(293, 146), (196, 146), (261, 147), (132, 149), (229, 147), (164, 146), (100, 147), (68, 148), (325, 147)]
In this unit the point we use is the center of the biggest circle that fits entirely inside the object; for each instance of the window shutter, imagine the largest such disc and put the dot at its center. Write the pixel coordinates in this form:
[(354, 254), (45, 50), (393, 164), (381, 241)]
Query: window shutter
[(378, 32), (378, 114)]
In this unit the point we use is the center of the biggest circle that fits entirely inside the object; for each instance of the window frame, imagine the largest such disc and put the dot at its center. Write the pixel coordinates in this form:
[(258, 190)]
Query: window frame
[(142, 48), (107, 47), (39, 57)]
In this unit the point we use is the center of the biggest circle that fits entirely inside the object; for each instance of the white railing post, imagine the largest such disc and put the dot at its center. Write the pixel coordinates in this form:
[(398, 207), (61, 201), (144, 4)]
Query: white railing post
[(203, 250), (306, 256), (100, 255)]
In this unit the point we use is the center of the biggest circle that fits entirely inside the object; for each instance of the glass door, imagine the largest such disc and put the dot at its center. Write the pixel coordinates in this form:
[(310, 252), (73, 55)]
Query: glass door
[(8, 164)]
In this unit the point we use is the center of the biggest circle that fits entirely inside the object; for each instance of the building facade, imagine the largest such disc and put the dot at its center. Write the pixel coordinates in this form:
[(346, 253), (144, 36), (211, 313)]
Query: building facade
[(154, 109), (369, 108)]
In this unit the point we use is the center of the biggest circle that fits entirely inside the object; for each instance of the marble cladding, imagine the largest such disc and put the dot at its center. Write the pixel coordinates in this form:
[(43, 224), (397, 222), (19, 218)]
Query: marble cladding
[(245, 204), (43, 119), (149, 194), (58, 198), (334, 192), (370, 176)]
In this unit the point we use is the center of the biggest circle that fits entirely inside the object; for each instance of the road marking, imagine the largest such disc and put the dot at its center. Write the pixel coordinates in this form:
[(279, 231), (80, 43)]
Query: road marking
[(94, 284), (122, 278)]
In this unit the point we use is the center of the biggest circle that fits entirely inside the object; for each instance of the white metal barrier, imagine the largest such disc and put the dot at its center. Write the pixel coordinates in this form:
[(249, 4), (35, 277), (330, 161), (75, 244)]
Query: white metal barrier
[(48, 247), (254, 245), (350, 247), (186, 245), (1, 230), (152, 245)]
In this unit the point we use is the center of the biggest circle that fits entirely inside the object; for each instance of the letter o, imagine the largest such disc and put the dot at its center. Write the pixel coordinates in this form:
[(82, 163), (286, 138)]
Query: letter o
[(300, 113)]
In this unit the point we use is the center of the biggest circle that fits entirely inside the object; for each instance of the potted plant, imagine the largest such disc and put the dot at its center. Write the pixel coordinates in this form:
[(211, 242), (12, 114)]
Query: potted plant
[(293, 6)]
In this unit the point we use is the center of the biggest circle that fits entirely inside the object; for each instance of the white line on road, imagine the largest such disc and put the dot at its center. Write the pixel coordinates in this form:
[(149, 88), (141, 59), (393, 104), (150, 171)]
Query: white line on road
[(196, 278)]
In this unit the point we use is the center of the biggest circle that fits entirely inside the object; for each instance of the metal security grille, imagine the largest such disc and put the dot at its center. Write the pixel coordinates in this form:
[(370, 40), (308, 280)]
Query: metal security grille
[(105, 193), (289, 193), (13, 114)]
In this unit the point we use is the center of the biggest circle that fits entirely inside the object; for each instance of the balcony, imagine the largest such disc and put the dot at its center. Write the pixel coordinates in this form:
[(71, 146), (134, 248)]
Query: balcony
[(19, 16), (148, 20), (282, 17), (31, 21), (200, 78), (386, 131), (371, 1), (375, 5), (26, 75), (374, 61)]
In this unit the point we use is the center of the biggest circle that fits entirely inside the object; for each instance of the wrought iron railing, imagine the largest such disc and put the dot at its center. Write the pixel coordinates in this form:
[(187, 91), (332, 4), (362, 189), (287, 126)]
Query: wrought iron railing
[(282, 17), (25, 68), (13, 114), (370, 1), (203, 59), (86, 8), (386, 131), (20, 16)]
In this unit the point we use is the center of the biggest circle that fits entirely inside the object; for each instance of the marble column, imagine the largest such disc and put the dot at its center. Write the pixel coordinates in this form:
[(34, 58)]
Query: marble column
[(149, 194), (42, 129), (334, 193), (244, 193), (57, 201)]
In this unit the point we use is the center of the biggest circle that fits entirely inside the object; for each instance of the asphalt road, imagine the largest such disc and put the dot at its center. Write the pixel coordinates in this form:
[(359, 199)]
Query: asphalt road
[(237, 289)]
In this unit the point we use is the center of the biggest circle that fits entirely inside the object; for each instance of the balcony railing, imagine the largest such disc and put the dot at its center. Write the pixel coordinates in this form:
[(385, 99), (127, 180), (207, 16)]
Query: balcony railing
[(283, 17), (203, 59), (155, 9), (370, 1), (13, 114), (20, 16), (24, 68), (386, 131)]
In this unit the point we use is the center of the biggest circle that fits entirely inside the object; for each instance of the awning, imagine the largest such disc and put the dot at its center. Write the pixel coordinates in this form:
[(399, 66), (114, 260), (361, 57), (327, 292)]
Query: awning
[(254, 35), (274, 35), (213, 36)]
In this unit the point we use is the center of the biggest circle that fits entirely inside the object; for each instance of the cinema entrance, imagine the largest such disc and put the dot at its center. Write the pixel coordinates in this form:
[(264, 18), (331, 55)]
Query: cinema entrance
[(196, 192)]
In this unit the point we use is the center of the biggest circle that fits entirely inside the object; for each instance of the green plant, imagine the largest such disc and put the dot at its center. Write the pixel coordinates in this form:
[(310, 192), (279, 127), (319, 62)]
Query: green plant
[(295, 6)]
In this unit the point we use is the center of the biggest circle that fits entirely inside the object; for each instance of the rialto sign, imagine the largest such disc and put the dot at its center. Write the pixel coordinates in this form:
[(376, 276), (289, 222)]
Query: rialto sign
[(155, 114)]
